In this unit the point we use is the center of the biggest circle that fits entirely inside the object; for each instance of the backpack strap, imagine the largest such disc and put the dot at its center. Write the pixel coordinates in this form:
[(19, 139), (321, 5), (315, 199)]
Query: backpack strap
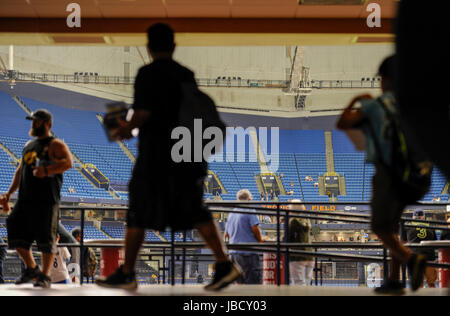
[(400, 140), (377, 145)]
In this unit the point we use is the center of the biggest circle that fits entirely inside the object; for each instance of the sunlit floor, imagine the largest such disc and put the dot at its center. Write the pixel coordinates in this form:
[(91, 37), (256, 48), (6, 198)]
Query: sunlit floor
[(197, 290)]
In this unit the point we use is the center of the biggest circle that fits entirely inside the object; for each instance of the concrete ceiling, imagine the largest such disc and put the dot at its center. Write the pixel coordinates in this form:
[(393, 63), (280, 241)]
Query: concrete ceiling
[(197, 22)]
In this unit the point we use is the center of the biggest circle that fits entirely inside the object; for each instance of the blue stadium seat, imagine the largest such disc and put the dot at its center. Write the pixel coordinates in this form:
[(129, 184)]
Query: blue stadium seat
[(302, 153)]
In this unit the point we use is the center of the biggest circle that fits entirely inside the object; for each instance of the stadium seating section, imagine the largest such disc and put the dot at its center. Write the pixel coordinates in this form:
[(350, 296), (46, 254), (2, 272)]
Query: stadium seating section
[(302, 153)]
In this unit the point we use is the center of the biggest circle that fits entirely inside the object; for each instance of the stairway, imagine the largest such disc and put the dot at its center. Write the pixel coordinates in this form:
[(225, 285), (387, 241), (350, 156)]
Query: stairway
[(121, 144), (9, 152), (259, 153), (296, 70), (78, 162), (329, 151)]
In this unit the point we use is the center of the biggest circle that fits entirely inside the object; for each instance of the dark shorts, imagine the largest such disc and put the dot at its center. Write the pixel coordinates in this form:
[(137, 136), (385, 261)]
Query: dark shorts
[(389, 201), (29, 222), (251, 268), (174, 201)]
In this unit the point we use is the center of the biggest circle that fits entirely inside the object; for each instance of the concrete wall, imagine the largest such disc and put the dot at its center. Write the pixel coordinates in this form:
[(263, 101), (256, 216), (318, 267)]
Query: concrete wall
[(345, 62), (255, 98), (207, 62), (335, 99), (107, 61), (273, 63), (265, 62)]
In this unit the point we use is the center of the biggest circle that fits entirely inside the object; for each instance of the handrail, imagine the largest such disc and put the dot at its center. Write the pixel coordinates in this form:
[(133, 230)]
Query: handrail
[(229, 82), (279, 247)]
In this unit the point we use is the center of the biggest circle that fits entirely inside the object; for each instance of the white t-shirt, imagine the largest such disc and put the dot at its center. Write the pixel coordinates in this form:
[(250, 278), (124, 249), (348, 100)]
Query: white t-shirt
[(59, 272)]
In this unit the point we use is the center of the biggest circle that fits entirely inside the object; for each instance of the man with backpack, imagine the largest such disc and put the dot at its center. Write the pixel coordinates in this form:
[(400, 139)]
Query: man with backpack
[(402, 176), (165, 192)]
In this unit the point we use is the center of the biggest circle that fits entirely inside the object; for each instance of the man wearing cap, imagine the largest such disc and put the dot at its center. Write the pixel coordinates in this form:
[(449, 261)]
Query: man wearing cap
[(35, 214), (415, 235)]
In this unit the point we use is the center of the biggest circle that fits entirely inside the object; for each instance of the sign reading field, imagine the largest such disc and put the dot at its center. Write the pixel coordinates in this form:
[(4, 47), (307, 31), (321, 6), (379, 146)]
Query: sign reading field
[(323, 208), (320, 208)]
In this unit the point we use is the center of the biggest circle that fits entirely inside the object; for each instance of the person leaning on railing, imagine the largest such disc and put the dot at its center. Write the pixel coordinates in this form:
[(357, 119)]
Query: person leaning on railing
[(244, 228), (300, 266)]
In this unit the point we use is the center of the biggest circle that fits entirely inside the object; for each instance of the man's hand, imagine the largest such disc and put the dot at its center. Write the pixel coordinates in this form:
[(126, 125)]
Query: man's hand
[(4, 200), (39, 172), (350, 117), (365, 96), (359, 98), (122, 132)]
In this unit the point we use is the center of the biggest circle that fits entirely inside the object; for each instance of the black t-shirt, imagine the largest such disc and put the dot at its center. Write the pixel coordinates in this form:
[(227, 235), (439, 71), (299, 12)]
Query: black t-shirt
[(31, 188), (418, 234), (158, 90)]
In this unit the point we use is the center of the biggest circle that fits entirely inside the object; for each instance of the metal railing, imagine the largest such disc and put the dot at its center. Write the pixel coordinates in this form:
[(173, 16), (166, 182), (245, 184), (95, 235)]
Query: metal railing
[(280, 247), (225, 82)]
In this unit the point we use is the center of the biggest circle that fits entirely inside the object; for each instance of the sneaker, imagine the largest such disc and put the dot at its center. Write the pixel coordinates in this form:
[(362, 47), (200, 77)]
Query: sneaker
[(43, 281), (416, 267), (391, 287), (28, 275), (119, 280), (225, 274)]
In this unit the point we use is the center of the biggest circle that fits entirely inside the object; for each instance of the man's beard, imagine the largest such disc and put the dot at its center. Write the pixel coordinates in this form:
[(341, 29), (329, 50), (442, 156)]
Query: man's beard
[(37, 131)]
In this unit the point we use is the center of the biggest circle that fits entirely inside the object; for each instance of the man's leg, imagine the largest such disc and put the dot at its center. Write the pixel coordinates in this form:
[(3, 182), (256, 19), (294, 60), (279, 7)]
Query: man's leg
[(294, 268), (133, 242), (237, 258), (394, 274), (31, 270), (387, 209), (226, 272), (301, 274), (309, 268), (47, 261), (256, 275), (125, 277), (210, 234), (416, 262), (393, 243), (27, 257)]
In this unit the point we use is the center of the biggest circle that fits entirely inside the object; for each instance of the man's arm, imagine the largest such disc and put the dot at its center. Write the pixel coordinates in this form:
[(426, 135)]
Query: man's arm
[(352, 117), (60, 156), (257, 232), (138, 119)]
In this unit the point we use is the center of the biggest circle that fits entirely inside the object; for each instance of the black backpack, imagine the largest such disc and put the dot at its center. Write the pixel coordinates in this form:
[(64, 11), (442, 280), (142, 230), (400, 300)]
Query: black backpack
[(91, 263), (412, 181), (196, 105)]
